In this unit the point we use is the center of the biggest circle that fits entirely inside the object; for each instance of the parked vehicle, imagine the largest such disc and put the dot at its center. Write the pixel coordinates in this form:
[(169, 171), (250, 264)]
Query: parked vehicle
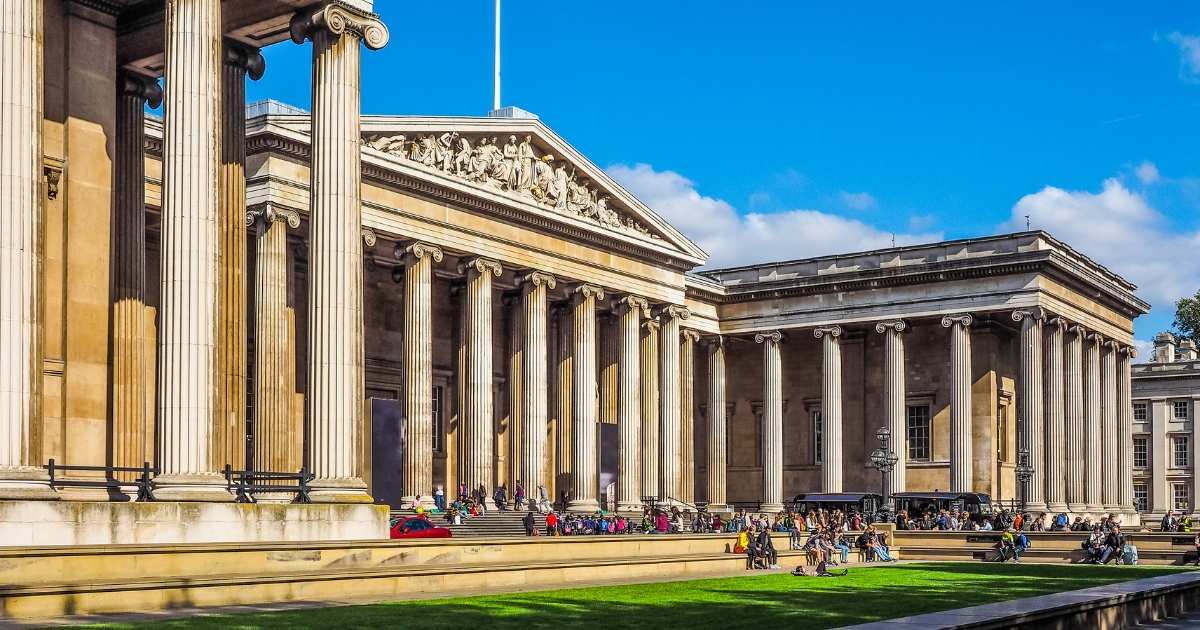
[(978, 505), (863, 503), (417, 527)]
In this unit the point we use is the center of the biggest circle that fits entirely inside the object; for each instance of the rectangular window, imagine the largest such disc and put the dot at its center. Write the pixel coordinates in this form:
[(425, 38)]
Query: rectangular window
[(1141, 454), (814, 416), (439, 438), (1181, 409), (1139, 411), (1181, 496), (917, 425), (1140, 499), (1179, 450)]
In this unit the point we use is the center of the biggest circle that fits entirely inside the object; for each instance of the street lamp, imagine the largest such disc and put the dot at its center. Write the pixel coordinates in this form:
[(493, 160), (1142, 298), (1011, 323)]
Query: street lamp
[(1024, 473), (884, 460)]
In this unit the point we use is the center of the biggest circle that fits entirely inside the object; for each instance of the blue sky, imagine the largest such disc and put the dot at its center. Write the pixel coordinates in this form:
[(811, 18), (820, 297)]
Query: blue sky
[(786, 129)]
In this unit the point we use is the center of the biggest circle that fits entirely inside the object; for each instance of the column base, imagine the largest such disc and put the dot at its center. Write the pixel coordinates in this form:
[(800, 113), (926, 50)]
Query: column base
[(1032, 507), (206, 488), (26, 482), (1077, 508), (349, 490), (629, 506), (1112, 508), (770, 507), (1055, 508), (583, 505)]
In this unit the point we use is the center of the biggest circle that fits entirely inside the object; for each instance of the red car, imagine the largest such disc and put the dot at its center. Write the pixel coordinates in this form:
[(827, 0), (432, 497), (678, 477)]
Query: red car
[(417, 527)]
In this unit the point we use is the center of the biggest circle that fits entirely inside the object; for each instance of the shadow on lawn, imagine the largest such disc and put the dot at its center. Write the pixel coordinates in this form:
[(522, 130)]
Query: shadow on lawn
[(750, 602)]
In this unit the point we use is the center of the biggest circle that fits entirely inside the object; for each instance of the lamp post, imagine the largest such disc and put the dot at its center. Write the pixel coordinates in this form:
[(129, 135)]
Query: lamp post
[(884, 460), (1024, 472)]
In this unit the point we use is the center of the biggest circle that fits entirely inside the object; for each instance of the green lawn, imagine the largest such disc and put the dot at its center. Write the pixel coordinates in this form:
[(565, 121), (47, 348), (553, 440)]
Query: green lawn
[(754, 601)]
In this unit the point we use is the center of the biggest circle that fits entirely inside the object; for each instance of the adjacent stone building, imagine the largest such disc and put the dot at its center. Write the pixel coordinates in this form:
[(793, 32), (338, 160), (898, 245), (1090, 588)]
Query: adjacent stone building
[(393, 303), (1166, 404)]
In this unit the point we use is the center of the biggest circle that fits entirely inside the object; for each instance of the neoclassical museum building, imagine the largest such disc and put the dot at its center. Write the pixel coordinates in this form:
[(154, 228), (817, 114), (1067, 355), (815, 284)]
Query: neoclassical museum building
[(397, 303)]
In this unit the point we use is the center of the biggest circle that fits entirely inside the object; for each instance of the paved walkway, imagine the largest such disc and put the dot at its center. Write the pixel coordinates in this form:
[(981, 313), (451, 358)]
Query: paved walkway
[(1190, 622)]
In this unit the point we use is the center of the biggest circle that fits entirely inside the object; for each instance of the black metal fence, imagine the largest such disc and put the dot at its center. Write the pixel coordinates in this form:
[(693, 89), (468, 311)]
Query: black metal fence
[(245, 484), (144, 480)]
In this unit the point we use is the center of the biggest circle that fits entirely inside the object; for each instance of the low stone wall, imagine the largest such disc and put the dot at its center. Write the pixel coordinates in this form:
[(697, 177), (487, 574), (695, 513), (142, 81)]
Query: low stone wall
[(1153, 547), (43, 523)]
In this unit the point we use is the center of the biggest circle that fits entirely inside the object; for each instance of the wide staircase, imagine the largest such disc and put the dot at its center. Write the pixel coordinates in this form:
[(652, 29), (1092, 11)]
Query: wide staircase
[(493, 524)]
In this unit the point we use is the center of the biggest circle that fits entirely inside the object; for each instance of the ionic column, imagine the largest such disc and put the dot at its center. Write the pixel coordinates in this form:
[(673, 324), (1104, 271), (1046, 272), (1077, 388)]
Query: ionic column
[(687, 415), (671, 433), (717, 449), (1110, 434), (477, 416), (772, 432), (565, 398), (630, 309), (895, 411), (1054, 405), (190, 250), (21, 85), (1125, 427), (278, 441), (229, 420), (1076, 432), (585, 454), (133, 424), (536, 400), (1030, 400), (1092, 424), (418, 259), (831, 407), (650, 408), (961, 460), (335, 301)]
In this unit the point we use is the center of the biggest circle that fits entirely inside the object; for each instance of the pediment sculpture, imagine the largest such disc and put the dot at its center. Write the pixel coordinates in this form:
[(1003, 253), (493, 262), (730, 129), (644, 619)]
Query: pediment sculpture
[(517, 167)]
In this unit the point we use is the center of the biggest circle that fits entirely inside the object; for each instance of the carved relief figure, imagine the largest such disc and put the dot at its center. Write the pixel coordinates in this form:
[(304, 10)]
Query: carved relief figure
[(525, 164), (543, 177), (511, 165)]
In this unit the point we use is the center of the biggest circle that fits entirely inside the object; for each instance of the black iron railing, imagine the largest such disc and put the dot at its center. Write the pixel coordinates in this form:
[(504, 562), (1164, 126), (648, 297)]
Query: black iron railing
[(245, 484), (144, 481)]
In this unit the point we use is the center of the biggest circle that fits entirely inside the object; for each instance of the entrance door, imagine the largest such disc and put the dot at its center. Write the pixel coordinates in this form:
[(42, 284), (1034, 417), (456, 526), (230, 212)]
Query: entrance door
[(387, 452)]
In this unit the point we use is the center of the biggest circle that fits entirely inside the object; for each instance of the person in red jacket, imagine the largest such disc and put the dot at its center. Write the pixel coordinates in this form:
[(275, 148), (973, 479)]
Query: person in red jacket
[(551, 524)]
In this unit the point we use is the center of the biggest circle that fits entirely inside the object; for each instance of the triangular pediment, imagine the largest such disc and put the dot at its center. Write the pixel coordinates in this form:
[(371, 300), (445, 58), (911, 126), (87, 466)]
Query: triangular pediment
[(530, 167)]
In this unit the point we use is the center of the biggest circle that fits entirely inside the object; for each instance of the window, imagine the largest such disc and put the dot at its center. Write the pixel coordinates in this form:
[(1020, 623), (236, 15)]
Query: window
[(1181, 409), (1140, 499), (439, 437), (1180, 496), (1179, 451), (814, 416), (1139, 411), (917, 426), (1141, 454)]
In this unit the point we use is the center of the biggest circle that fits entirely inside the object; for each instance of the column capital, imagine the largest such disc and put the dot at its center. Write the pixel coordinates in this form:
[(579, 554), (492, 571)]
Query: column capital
[(1094, 337), (1111, 344), (894, 325), (627, 303), (480, 266), (413, 252), (368, 235), (340, 18), (1076, 329), (535, 279), (1035, 314), (959, 319), (713, 341), (142, 86), (268, 213), (774, 336), (688, 333), (674, 311), (585, 291), (1128, 350), (652, 324), (834, 331), (246, 58), (1057, 322)]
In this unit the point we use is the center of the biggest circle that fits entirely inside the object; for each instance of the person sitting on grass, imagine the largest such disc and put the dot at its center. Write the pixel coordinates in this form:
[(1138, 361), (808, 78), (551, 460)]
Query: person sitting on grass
[(1114, 543)]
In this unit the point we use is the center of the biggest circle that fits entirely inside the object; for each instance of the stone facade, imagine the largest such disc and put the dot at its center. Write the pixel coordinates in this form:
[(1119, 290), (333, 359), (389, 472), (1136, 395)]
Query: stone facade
[(1166, 406), (407, 302)]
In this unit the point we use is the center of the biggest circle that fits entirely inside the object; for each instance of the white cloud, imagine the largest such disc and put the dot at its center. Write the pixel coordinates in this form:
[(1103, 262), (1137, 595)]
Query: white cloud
[(732, 239), (858, 201), (1147, 172), (1119, 229), (1189, 54)]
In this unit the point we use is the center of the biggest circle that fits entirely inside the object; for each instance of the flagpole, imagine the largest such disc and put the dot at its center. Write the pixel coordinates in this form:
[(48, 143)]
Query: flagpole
[(496, 94)]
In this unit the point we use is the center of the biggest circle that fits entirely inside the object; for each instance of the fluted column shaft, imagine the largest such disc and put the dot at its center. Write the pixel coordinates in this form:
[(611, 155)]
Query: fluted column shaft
[(1076, 436), (671, 432), (335, 301), (1030, 400), (1110, 434), (894, 408), (21, 86), (629, 411), (278, 441), (477, 417), (717, 455), (650, 410), (585, 453), (1054, 407), (188, 307), (1125, 427), (133, 425), (565, 380), (1092, 424), (534, 376), (961, 459), (418, 371), (831, 408), (772, 419), (687, 416)]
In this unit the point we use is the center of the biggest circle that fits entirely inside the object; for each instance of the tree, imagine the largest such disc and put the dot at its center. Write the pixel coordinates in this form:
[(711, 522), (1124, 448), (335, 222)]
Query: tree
[(1187, 317)]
